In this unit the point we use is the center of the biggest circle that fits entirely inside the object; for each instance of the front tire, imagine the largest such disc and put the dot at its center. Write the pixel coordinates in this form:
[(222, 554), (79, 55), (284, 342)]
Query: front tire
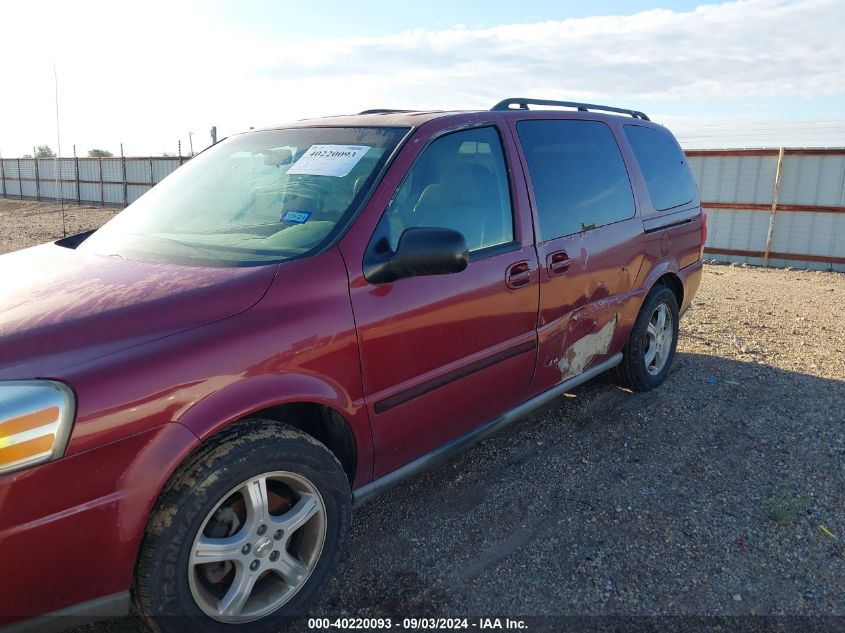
[(648, 354), (249, 530)]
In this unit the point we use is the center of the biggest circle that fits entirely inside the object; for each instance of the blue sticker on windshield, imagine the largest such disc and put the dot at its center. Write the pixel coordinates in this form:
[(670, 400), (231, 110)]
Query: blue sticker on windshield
[(296, 217)]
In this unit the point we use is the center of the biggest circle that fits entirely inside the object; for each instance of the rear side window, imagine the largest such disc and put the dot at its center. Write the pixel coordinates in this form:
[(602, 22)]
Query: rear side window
[(664, 166), (578, 175)]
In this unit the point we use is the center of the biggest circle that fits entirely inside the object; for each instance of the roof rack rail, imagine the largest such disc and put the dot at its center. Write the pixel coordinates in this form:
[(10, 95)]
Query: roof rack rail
[(583, 107), (383, 111)]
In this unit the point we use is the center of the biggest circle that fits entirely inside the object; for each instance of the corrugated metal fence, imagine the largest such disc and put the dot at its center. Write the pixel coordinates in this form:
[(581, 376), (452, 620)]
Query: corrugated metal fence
[(774, 207), (765, 206), (114, 181)]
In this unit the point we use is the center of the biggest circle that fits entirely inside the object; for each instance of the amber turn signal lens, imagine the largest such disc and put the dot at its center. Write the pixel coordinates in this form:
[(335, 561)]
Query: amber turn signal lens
[(28, 422), (27, 450), (28, 437), (35, 422)]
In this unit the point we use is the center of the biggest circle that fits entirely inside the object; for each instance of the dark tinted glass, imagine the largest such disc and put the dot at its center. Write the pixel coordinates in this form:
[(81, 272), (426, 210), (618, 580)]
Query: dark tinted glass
[(459, 182), (578, 175), (664, 166)]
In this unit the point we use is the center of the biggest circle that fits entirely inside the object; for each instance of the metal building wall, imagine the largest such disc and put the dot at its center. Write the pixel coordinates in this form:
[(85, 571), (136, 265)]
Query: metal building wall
[(115, 181), (807, 214)]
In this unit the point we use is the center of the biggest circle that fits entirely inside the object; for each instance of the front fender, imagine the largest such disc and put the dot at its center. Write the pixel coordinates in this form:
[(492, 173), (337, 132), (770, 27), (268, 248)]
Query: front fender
[(84, 513), (249, 395)]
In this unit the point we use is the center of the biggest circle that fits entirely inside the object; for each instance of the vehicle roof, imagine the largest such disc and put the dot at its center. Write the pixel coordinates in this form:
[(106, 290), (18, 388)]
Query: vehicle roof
[(415, 118), (390, 118)]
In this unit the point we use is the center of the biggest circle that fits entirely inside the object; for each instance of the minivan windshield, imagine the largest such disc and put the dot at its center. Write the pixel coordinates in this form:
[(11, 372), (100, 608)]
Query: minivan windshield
[(252, 199)]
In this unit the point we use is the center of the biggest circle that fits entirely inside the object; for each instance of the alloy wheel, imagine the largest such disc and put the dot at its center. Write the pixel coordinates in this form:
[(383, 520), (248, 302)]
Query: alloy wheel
[(257, 547), (658, 339)]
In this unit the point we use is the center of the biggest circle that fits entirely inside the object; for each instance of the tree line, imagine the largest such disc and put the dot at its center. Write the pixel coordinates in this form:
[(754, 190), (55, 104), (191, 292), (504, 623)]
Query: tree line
[(45, 151)]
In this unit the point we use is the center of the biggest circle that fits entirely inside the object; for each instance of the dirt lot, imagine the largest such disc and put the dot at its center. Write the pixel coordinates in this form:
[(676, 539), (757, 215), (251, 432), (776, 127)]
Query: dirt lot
[(721, 493), (24, 223)]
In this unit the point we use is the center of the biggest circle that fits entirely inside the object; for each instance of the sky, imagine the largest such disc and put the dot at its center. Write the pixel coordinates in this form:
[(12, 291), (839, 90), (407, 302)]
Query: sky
[(745, 73)]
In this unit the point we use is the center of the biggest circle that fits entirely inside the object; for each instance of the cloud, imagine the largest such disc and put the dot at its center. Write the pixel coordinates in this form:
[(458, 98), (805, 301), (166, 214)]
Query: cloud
[(754, 48), (147, 75)]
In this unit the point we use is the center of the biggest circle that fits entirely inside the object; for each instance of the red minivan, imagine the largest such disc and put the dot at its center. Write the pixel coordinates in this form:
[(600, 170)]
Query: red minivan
[(193, 396)]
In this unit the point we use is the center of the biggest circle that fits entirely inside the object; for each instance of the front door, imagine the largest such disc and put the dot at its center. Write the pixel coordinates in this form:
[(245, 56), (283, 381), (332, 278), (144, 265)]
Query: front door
[(443, 354)]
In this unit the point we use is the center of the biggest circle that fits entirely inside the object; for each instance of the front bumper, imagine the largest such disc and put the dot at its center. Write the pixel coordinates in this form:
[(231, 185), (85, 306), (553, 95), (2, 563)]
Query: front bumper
[(70, 529)]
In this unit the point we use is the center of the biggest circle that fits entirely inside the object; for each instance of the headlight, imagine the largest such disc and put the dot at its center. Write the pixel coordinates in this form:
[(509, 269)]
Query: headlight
[(35, 421)]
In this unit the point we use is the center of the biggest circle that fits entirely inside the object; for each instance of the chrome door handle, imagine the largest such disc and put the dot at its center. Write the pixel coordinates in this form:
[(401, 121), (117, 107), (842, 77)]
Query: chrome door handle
[(558, 263), (518, 275)]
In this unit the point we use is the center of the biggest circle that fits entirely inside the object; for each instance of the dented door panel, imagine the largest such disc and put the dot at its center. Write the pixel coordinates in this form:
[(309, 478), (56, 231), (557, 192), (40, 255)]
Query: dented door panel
[(586, 312)]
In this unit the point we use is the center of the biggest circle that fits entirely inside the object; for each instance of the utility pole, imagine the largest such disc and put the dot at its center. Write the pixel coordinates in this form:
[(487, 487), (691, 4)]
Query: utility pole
[(59, 185), (191, 142), (213, 134)]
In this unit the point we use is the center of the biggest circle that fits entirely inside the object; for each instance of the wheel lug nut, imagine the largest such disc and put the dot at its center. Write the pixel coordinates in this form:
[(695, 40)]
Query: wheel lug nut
[(277, 534), (274, 556), (245, 549), (254, 565), (261, 529)]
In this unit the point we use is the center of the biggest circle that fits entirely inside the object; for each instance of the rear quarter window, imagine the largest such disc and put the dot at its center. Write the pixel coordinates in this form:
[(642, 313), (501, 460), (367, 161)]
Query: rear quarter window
[(663, 165)]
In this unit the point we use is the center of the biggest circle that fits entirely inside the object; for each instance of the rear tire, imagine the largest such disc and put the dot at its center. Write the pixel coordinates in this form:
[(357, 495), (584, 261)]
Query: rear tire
[(648, 354), (269, 508)]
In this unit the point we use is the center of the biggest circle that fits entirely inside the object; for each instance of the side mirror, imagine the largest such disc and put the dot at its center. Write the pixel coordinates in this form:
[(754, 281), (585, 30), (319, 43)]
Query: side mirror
[(421, 251)]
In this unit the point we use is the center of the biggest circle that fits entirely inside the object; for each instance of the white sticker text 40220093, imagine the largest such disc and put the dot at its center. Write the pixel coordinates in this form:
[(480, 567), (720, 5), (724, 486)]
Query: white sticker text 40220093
[(328, 160)]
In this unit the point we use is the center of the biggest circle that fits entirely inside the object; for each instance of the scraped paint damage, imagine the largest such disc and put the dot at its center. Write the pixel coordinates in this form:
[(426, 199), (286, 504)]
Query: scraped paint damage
[(581, 353)]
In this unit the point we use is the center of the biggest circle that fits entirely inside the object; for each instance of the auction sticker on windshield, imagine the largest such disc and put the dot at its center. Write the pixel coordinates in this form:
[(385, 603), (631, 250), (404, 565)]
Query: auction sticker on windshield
[(328, 160)]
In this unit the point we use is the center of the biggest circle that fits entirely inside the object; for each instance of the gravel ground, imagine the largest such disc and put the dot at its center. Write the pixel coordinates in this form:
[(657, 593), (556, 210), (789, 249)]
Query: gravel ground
[(719, 494), (26, 223)]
